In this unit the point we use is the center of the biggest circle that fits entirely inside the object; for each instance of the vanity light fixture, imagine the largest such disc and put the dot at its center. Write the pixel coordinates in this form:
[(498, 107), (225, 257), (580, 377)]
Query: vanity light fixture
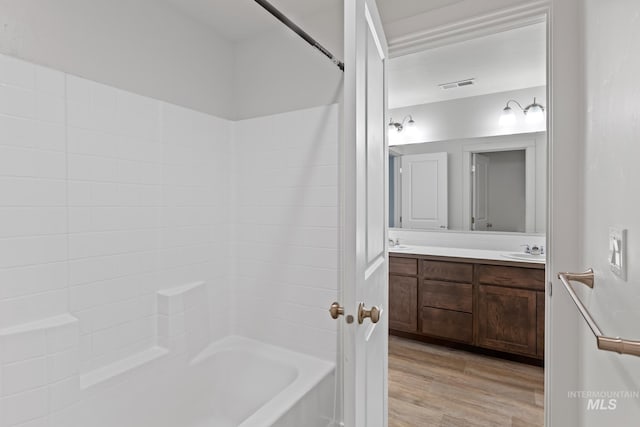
[(399, 126), (534, 113)]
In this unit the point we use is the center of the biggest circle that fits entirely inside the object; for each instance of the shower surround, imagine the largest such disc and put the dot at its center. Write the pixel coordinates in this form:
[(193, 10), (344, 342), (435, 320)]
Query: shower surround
[(134, 231)]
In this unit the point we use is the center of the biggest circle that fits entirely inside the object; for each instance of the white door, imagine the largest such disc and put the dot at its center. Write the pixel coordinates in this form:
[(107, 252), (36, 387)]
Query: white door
[(480, 192), (364, 250), (424, 191)]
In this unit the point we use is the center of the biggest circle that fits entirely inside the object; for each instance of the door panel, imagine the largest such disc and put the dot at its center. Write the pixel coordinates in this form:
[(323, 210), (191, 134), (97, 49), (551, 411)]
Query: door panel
[(376, 165), (364, 201), (480, 193), (424, 191)]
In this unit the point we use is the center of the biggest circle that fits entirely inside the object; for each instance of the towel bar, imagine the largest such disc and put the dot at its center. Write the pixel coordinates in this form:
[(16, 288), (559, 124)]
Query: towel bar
[(618, 345)]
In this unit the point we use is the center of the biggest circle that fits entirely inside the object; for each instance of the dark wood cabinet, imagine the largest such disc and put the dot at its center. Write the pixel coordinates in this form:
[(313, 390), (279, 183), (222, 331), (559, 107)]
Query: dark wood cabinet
[(448, 324), (540, 323), (403, 303), (507, 319), (449, 271), (483, 303)]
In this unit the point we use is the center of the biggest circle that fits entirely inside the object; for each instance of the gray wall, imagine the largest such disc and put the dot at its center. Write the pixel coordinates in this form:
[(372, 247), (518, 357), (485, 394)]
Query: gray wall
[(507, 190)]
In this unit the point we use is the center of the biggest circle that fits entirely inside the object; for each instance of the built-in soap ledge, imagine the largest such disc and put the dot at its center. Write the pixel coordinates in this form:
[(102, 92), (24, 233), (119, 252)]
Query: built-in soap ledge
[(120, 367), (39, 368), (183, 318), (182, 322), (39, 361)]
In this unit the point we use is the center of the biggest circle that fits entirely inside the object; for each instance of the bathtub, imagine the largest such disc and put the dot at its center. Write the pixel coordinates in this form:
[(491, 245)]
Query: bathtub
[(234, 382)]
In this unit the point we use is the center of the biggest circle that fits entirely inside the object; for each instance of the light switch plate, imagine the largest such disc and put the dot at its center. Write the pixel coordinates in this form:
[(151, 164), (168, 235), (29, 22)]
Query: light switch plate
[(618, 251)]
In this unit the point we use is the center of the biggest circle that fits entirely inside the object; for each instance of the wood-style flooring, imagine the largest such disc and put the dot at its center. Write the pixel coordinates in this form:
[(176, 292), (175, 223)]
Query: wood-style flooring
[(436, 386)]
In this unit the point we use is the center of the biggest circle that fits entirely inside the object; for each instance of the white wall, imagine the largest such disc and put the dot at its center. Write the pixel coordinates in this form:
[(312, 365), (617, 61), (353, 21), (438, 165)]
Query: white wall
[(472, 117), (143, 46), (152, 49), (286, 229), (454, 150), (611, 175), (107, 197), (277, 71)]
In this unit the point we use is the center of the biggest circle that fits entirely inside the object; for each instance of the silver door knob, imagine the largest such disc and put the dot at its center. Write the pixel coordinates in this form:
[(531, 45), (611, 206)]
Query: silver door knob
[(373, 313)]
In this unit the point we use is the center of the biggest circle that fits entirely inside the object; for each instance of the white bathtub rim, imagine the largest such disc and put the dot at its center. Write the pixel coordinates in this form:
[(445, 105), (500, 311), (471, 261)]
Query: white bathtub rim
[(310, 372)]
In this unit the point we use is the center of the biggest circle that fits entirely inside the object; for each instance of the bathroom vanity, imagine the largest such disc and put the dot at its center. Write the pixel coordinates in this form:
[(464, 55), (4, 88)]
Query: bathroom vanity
[(478, 299)]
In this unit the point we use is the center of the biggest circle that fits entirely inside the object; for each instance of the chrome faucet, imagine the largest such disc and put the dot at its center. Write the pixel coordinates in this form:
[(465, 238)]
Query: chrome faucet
[(537, 250), (392, 243), (533, 249)]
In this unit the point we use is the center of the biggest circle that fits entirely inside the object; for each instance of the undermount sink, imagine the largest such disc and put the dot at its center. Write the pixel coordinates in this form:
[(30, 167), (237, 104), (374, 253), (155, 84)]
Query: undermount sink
[(525, 257), (398, 247)]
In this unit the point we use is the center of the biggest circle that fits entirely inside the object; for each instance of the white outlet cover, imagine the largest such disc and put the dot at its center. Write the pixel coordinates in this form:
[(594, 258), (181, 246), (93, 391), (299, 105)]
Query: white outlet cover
[(618, 251)]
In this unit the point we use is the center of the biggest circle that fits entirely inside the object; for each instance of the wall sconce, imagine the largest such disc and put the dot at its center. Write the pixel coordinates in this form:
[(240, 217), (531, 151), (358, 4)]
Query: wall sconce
[(399, 127), (534, 113)]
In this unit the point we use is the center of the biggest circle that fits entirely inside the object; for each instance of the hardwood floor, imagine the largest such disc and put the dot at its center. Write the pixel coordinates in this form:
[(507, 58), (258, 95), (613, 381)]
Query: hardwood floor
[(441, 387)]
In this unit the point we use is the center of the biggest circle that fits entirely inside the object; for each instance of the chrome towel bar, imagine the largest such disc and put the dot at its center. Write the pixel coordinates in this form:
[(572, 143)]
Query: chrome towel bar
[(618, 345)]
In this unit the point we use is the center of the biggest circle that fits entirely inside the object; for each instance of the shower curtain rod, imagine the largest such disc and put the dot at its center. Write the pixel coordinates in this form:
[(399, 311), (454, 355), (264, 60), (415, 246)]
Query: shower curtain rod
[(299, 31)]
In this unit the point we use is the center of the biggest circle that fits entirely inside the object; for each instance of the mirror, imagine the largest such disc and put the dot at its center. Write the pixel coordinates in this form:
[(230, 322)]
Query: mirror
[(467, 134)]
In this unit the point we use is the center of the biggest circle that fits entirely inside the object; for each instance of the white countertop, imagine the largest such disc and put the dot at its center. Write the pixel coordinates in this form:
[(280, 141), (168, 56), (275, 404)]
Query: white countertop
[(468, 253)]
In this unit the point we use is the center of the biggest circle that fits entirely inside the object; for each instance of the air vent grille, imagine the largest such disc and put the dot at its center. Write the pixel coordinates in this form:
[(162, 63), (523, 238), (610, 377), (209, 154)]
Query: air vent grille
[(460, 83)]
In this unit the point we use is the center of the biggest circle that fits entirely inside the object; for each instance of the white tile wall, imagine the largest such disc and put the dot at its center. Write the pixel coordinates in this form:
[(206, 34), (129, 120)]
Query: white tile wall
[(39, 370), (33, 243), (105, 198), (285, 244)]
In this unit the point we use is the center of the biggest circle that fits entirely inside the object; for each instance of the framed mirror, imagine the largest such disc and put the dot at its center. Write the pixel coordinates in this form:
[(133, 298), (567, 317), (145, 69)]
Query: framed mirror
[(467, 134)]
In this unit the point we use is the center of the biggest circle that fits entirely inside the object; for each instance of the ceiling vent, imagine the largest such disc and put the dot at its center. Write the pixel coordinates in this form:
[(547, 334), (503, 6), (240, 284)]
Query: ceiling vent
[(460, 83)]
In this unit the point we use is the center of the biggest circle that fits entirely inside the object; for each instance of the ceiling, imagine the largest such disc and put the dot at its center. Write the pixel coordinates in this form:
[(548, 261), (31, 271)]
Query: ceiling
[(394, 10), (238, 20), (510, 60), (500, 62)]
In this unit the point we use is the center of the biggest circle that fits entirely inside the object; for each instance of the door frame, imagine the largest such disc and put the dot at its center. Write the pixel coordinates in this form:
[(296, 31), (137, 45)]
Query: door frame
[(565, 125), (529, 147)]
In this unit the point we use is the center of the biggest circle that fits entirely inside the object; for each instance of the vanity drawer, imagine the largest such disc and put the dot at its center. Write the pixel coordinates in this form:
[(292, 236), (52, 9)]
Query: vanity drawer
[(452, 325), (448, 295), (448, 271), (514, 277), (403, 265)]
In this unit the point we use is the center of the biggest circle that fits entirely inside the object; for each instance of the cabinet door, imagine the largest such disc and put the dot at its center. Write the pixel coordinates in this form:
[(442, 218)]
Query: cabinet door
[(507, 319), (540, 321), (403, 303)]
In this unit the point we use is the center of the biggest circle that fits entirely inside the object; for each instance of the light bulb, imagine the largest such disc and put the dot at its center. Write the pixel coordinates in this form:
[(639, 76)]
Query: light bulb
[(535, 114), (508, 117)]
